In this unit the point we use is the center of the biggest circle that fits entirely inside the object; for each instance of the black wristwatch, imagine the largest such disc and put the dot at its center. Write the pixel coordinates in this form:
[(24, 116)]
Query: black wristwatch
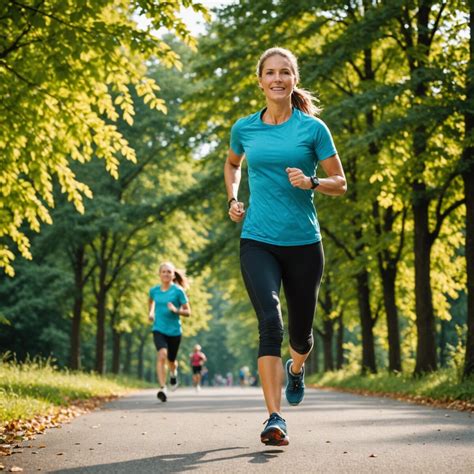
[(230, 201), (314, 182)]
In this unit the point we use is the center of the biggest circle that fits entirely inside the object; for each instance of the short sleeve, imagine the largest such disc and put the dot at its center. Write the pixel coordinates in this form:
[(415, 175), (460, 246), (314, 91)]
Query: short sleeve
[(235, 139), (182, 298), (323, 143)]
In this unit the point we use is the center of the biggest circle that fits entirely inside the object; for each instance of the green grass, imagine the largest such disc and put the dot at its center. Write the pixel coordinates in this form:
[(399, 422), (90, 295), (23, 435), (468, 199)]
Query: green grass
[(443, 385), (35, 387)]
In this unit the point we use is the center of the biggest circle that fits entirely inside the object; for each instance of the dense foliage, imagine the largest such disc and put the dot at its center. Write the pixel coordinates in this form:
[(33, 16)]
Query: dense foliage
[(392, 77)]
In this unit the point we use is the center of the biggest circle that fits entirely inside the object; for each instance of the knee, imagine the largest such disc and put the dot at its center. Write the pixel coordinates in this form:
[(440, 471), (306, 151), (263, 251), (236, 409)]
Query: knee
[(271, 334), (162, 356), (302, 344)]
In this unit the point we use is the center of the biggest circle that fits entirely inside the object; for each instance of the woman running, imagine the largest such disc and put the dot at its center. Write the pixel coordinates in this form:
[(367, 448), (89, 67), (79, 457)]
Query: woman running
[(198, 359), (167, 302), (280, 241)]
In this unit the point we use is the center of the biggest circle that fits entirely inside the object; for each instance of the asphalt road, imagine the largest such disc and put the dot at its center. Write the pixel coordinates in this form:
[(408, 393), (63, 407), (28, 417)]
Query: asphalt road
[(217, 430)]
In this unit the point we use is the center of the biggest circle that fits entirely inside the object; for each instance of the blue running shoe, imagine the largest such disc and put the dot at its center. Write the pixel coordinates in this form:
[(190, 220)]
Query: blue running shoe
[(275, 433), (294, 385)]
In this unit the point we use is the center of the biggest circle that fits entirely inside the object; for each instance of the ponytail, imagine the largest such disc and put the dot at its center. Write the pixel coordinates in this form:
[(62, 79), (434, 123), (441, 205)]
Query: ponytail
[(303, 100), (181, 279)]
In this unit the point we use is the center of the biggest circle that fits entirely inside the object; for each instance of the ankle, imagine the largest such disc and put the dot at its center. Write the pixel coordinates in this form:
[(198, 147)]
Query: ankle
[(296, 374)]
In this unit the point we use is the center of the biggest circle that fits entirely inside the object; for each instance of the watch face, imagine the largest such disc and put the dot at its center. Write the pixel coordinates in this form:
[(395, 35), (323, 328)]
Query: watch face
[(314, 182)]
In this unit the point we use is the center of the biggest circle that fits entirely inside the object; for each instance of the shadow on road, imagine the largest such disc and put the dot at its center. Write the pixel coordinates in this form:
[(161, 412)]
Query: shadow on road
[(179, 462)]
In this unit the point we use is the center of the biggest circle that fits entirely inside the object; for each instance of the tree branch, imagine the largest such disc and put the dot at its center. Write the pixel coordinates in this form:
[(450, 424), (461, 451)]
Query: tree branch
[(337, 242), (436, 23), (15, 45), (441, 217)]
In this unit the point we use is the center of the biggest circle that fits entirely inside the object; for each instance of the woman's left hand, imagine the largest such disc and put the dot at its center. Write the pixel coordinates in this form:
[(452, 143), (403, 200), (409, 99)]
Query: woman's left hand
[(172, 308), (298, 179)]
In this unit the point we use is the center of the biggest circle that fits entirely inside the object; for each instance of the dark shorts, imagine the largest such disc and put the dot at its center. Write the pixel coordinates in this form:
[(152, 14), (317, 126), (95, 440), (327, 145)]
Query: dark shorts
[(163, 341), (196, 369)]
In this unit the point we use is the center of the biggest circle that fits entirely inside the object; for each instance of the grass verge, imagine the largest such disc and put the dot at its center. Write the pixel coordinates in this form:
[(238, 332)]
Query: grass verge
[(36, 395), (439, 388)]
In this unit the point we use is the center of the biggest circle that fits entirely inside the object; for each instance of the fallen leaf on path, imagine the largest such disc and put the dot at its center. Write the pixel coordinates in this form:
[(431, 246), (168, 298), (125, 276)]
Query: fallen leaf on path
[(20, 430), (16, 469), (373, 456), (59, 454), (6, 449)]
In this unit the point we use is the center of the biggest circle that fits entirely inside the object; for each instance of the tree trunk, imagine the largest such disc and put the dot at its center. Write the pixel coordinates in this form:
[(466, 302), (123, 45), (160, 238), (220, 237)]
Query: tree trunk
[(442, 343), (340, 342), (367, 324), (141, 350), (311, 364), (425, 320), (100, 318), (328, 334), (393, 331), (468, 178), (127, 366), (469, 193), (78, 264), (116, 339)]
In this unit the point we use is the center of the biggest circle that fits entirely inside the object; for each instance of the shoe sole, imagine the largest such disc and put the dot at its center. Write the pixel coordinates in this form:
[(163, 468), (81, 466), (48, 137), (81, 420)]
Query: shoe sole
[(274, 437), (293, 404), (161, 396)]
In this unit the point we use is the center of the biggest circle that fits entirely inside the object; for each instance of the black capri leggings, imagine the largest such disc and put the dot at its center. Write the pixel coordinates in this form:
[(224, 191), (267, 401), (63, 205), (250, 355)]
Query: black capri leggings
[(300, 268)]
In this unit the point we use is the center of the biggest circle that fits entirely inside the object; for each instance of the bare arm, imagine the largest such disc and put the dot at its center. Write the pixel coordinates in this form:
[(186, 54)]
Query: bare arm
[(151, 309), (335, 183), (232, 175)]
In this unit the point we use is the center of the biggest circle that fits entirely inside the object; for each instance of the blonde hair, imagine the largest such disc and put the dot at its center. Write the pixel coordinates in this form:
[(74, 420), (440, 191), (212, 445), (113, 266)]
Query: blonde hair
[(179, 275), (300, 98)]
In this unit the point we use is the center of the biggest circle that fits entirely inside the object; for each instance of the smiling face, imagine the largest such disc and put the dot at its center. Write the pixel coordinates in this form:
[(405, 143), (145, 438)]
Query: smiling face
[(277, 78), (166, 273)]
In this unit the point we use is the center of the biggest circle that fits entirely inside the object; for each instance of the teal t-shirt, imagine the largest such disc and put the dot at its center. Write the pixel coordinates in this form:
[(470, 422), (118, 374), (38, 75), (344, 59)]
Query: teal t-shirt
[(278, 213), (166, 321)]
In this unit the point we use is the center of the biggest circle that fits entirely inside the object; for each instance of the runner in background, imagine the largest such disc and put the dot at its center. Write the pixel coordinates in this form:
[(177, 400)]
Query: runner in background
[(167, 302), (198, 359)]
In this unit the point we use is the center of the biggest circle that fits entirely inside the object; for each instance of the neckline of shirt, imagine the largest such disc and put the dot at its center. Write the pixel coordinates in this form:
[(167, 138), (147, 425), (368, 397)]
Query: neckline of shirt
[(290, 118), (169, 288)]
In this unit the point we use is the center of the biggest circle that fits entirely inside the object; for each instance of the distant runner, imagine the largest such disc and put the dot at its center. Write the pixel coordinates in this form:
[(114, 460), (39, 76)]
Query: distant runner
[(167, 302), (198, 359)]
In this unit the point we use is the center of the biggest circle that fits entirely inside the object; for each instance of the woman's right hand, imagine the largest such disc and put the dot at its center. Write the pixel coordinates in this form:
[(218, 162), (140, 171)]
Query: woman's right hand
[(151, 318), (236, 211)]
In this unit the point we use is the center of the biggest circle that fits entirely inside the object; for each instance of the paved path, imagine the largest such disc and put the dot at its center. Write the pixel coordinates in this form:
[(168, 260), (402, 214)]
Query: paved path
[(217, 430)]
